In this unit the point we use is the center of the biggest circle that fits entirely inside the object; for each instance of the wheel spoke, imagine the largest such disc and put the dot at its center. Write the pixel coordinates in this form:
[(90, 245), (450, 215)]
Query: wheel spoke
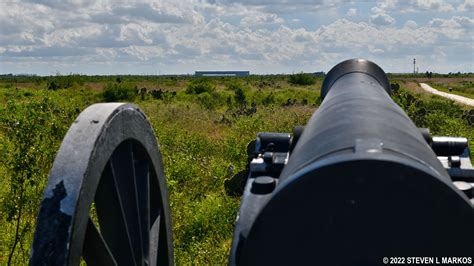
[(155, 197), (123, 171), (158, 235), (163, 252), (155, 241), (95, 250), (110, 214), (142, 181), (109, 157)]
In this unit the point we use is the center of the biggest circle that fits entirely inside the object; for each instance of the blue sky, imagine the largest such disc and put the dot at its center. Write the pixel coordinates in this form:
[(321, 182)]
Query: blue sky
[(263, 36)]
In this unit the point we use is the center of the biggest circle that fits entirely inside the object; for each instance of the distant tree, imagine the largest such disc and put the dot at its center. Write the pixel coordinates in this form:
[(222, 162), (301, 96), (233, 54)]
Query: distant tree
[(239, 91), (302, 79), (239, 96)]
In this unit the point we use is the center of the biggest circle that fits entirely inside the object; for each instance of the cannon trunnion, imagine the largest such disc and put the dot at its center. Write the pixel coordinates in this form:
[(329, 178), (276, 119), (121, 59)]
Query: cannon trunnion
[(360, 184)]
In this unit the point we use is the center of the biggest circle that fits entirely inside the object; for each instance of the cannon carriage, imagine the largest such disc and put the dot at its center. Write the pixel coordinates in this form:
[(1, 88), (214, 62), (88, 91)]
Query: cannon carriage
[(359, 182), (109, 160)]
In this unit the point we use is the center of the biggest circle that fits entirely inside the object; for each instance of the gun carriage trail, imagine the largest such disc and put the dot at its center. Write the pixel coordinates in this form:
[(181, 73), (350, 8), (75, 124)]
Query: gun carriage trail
[(454, 97)]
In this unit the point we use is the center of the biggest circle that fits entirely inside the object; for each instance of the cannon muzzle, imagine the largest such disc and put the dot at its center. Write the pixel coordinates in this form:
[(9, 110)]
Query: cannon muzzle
[(361, 184)]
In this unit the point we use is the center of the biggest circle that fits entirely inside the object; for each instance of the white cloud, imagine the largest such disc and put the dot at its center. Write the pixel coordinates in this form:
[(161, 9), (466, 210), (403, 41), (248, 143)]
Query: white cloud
[(283, 6), (379, 17), (453, 23), (159, 12), (415, 5), (467, 6), (411, 24), (302, 35), (52, 51), (457, 28), (433, 5), (382, 19), (351, 12), (257, 18), (190, 34), (62, 4)]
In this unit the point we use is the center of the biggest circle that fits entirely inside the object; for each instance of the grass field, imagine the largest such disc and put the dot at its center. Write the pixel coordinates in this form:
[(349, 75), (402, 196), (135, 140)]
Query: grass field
[(203, 127), (463, 86)]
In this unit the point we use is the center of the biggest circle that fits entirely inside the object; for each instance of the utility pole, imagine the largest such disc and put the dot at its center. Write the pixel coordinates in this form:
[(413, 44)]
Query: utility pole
[(414, 66)]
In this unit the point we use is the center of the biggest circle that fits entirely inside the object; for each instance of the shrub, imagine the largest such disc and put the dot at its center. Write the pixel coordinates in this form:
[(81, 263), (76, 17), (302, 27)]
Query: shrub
[(239, 92), (64, 82), (233, 85), (200, 85), (53, 86), (206, 100), (118, 92), (269, 99), (302, 79), (32, 132), (239, 96), (211, 100)]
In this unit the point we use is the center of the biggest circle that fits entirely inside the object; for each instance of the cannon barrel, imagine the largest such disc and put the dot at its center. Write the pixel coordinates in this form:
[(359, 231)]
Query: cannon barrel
[(361, 184), (358, 116)]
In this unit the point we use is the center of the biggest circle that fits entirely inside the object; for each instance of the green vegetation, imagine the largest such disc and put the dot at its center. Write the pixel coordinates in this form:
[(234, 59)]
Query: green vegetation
[(302, 79), (32, 124), (440, 115), (116, 92), (464, 88), (461, 84), (64, 82), (203, 127), (200, 85), (239, 91)]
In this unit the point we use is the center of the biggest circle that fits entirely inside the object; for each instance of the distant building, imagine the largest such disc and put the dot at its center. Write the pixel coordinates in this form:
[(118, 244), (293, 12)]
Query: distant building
[(222, 73)]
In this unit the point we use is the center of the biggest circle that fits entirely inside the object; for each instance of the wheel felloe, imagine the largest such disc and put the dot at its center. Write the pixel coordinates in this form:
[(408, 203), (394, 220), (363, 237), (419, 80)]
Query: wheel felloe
[(114, 163)]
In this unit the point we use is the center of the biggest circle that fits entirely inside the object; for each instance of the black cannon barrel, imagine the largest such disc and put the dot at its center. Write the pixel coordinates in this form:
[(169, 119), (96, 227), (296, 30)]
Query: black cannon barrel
[(360, 185), (356, 112)]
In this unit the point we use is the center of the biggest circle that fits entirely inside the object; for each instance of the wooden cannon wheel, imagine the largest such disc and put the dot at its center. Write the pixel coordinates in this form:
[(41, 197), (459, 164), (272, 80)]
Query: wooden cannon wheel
[(109, 160)]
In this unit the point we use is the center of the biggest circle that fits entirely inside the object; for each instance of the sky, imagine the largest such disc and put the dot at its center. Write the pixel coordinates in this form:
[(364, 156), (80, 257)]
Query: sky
[(47, 37)]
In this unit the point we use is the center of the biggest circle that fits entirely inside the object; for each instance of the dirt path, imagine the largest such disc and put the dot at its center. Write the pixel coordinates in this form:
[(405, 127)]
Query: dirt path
[(454, 97)]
